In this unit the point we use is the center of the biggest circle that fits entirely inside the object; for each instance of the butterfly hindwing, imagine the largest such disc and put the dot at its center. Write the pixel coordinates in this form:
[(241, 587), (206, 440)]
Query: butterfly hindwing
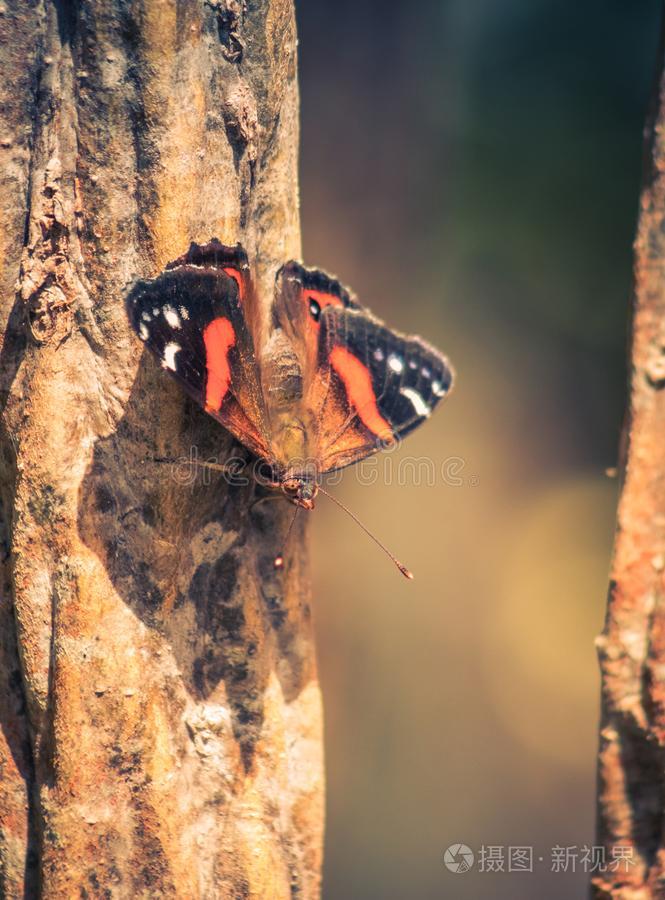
[(374, 385), (193, 317)]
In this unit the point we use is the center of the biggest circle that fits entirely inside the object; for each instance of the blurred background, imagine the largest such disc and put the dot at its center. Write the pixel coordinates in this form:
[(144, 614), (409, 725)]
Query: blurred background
[(471, 169)]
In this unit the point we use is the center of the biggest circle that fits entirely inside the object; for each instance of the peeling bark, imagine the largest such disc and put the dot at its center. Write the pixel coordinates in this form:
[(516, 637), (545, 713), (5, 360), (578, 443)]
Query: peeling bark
[(160, 722), (631, 772)]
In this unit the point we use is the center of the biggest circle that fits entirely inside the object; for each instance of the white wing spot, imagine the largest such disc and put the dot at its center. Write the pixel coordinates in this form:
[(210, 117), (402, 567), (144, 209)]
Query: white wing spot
[(396, 363), (184, 312), (146, 316), (171, 316), (425, 372), (378, 354), (438, 389), (169, 356), (155, 311), (421, 408), (413, 364), (144, 334)]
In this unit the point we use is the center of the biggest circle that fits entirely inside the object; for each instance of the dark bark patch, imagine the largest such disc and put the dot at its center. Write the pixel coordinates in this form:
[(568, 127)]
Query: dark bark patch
[(228, 17), (642, 762), (47, 506)]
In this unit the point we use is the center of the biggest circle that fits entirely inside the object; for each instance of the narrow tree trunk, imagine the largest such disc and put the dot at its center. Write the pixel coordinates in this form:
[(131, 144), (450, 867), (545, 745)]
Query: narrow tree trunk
[(160, 723), (631, 775)]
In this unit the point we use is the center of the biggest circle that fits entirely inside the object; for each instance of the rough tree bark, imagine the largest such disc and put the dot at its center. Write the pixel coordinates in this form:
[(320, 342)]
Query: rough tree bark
[(631, 773), (160, 724)]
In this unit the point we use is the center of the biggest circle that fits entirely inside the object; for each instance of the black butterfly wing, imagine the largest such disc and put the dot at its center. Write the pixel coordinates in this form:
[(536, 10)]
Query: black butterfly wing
[(194, 317), (374, 386), (301, 297)]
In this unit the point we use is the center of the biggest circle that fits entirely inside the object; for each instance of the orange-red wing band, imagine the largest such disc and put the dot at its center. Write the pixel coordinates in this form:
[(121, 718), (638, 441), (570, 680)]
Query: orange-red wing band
[(359, 391), (218, 338), (235, 274)]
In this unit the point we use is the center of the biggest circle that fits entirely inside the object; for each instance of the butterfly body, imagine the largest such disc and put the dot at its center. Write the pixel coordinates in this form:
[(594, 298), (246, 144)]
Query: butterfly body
[(322, 386)]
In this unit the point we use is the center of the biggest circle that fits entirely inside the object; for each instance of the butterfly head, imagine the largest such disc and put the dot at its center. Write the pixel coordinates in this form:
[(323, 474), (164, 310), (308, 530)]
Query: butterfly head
[(300, 489)]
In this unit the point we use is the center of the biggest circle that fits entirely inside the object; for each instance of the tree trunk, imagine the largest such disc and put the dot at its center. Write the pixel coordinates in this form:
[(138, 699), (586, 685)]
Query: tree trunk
[(159, 707), (631, 774)]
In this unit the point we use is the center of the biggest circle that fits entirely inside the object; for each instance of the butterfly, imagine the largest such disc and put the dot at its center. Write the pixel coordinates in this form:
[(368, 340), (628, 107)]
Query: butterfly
[(319, 386)]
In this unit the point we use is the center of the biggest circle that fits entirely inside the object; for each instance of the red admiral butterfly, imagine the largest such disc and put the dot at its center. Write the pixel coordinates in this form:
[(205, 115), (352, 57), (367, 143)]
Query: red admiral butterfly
[(330, 385)]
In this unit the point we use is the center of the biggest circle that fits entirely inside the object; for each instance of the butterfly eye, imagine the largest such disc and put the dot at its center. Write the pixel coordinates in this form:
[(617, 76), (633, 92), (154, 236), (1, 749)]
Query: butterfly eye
[(314, 309)]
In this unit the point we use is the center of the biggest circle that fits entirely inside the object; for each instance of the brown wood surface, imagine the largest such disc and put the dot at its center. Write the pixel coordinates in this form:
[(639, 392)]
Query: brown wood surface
[(160, 721), (631, 782)]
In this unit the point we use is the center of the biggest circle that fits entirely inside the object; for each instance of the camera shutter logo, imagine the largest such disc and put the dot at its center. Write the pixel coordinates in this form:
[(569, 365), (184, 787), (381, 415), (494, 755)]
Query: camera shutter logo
[(458, 858)]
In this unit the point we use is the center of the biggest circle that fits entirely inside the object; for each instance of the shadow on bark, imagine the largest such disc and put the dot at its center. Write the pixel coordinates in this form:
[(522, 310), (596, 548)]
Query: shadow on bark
[(151, 531)]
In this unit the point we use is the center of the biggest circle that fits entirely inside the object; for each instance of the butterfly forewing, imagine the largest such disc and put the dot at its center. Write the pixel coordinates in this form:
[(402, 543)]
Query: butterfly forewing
[(302, 296), (382, 385), (192, 317)]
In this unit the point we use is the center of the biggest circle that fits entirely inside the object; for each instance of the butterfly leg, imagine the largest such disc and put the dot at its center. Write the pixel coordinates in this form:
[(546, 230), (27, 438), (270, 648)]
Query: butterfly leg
[(184, 469)]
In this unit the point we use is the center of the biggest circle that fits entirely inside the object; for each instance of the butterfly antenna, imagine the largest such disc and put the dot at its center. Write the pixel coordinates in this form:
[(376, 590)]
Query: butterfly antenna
[(407, 573), (279, 559)]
